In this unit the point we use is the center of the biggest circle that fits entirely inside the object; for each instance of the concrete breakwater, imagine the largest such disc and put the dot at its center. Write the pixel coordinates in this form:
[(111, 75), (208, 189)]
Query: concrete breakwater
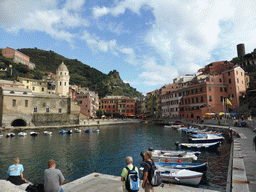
[(82, 123)]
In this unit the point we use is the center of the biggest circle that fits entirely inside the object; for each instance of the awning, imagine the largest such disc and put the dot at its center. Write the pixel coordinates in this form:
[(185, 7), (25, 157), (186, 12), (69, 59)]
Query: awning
[(197, 105)]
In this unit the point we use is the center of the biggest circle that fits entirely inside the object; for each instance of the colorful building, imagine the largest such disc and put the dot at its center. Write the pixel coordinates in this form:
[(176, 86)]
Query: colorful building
[(118, 104), (18, 57)]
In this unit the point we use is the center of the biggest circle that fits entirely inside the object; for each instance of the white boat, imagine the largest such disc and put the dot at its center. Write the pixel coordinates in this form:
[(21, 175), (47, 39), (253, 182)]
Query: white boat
[(77, 130), (174, 156), (96, 130), (168, 126), (210, 138), (22, 134), (1, 136), (32, 133), (47, 132), (10, 134), (182, 176)]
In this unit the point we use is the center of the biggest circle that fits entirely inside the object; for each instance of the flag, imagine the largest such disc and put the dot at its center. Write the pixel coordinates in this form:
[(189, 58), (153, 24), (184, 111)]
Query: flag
[(228, 102)]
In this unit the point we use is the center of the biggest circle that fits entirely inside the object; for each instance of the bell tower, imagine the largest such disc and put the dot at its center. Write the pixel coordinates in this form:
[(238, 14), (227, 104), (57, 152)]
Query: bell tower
[(62, 80)]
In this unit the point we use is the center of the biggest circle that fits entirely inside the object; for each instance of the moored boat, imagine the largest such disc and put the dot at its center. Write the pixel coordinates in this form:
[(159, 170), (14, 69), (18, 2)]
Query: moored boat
[(62, 132), (174, 156), (22, 134), (208, 139), (47, 132), (34, 134), (197, 146), (10, 134), (77, 130), (96, 130), (199, 167), (1, 136), (182, 176), (87, 131), (69, 131)]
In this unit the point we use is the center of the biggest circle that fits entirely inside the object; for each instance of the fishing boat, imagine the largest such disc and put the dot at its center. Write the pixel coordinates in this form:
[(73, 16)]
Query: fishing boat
[(47, 132), (22, 134), (10, 134), (179, 176), (203, 135), (96, 130), (174, 156), (70, 131), (199, 167), (87, 131), (190, 129), (77, 130), (62, 132), (34, 134), (210, 138), (197, 146)]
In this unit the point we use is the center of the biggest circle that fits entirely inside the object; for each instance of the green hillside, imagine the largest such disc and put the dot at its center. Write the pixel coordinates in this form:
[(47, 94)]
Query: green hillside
[(80, 74)]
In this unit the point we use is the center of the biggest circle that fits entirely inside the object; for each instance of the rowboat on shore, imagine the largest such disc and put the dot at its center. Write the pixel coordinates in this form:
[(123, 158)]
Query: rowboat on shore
[(198, 146), (182, 176), (199, 167)]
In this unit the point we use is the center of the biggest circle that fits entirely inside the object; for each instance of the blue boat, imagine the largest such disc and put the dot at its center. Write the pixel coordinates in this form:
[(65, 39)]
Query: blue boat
[(62, 132), (87, 131), (203, 135), (199, 167), (199, 146)]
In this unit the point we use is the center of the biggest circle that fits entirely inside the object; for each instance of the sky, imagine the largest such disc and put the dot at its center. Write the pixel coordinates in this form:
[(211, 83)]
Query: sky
[(149, 42)]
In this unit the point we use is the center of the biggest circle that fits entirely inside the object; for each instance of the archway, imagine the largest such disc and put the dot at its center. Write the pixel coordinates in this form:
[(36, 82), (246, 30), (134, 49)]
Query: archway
[(18, 123)]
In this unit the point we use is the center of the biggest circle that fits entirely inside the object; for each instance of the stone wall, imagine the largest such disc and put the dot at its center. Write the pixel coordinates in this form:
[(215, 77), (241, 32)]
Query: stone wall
[(55, 119)]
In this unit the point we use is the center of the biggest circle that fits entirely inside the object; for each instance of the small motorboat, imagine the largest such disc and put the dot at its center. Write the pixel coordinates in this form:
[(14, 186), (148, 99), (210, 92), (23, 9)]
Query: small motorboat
[(1, 136), (87, 131), (199, 167), (167, 126), (210, 138), (174, 156), (62, 132), (22, 134), (179, 176), (199, 135), (70, 131), (190, 129), (10, 135), (47, 133), (34, 134), (96, 130), (197, 146), (77, 130)]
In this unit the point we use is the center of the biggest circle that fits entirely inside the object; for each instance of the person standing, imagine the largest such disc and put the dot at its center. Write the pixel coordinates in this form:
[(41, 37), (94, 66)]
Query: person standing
[(15, 173), (147, 166), (53, 178), (124, 174)]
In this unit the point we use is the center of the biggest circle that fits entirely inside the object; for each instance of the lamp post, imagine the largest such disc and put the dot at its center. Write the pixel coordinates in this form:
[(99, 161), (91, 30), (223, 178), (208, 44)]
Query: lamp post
[(11, 69)]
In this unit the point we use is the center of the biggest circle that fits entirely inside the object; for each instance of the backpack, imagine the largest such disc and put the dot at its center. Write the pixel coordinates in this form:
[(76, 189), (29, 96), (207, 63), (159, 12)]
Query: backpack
[(132, 180), (35, 188), (154, 176)]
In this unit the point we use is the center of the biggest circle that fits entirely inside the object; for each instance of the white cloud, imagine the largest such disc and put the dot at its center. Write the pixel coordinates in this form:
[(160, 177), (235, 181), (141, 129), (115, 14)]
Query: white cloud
[(187, 35), (97, 44), (43, 15)]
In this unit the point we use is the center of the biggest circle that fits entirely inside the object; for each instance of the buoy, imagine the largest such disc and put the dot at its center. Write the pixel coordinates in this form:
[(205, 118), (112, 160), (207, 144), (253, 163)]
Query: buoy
[(166, 160), (179, 161)]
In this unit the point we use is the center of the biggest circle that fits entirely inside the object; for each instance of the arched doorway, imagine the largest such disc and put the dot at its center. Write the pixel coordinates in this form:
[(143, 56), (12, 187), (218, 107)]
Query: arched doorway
[(18, 123)]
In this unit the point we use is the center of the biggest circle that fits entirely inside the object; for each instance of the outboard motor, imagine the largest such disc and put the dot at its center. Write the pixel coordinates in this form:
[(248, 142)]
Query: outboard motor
[(150, 149)]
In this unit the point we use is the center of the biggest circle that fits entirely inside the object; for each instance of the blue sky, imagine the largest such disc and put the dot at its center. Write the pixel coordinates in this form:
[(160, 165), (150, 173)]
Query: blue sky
[(149, 42)]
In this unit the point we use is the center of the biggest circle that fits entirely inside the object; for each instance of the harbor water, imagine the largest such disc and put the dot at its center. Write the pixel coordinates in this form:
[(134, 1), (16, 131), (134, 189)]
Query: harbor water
[(82, 153)]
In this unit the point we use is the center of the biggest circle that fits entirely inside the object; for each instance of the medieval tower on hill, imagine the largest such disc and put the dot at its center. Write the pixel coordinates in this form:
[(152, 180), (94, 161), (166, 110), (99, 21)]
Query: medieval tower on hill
[(62, 80)]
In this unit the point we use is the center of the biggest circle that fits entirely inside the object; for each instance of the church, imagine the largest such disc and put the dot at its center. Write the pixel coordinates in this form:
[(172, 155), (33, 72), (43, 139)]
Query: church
[(24, 107)]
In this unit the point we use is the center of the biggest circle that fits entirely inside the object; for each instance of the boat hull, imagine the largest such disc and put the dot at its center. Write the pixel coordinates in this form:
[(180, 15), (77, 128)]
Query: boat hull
[(187, 180), (199, 167), (197, 146)]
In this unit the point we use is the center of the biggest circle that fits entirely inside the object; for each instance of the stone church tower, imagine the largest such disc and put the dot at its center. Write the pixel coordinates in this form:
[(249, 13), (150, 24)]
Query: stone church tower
[(62, 80)]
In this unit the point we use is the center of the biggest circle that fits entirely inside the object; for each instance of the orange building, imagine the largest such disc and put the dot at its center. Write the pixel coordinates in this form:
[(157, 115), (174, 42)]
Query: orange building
[(208, 95), (118, 104)]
